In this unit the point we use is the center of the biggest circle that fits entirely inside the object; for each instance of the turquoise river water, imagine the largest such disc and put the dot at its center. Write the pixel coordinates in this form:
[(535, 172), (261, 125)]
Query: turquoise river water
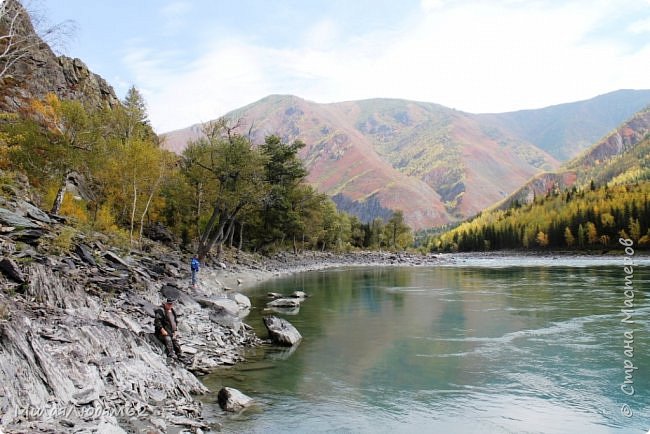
[(495, 345)]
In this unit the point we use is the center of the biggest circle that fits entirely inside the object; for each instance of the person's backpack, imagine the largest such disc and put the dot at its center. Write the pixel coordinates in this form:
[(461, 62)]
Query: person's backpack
[(195, 264)]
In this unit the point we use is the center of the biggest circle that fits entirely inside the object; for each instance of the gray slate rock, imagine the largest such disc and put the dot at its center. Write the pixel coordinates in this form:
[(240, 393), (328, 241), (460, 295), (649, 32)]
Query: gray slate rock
[(11, 218), (285, 302), (10, 269), (281, 331), (34, 212), (85, 254), (29, 236), (115, 259)]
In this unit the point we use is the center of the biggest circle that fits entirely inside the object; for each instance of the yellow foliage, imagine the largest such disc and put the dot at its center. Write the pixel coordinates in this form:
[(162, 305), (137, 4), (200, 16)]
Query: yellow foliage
[(49, 110), (104, 221), (74, 208), (607, 219)]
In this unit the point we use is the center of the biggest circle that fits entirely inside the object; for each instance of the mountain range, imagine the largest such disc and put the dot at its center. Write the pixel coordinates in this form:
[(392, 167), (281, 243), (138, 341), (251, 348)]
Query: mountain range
[(622, 156), (436, 164)]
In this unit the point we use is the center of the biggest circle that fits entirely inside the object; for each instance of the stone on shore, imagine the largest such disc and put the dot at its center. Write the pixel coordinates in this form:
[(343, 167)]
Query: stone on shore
[(281, 331), (233, 400), (243, 301), (221, 305)]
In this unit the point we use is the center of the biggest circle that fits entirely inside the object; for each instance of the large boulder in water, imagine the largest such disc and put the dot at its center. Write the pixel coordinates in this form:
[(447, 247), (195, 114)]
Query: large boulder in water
[(281, 331), (231, 399), (284, 302)]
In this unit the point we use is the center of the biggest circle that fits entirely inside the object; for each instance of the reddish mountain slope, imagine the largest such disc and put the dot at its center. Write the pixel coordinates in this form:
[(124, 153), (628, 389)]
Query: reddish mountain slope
[(434, 163)]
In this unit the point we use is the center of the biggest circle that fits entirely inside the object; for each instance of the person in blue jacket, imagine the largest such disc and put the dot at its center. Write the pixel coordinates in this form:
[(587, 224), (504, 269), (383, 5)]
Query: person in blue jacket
[(195, 265)]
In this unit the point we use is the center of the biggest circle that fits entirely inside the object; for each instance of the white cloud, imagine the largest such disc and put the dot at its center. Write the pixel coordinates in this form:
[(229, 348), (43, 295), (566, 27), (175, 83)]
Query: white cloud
[(640, 26), (430, 5), (322, 34), (473, 57), (174, 15)]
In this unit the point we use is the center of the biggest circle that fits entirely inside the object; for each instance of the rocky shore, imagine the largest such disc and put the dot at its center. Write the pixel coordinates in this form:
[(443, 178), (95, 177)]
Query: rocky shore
[(77, 349)]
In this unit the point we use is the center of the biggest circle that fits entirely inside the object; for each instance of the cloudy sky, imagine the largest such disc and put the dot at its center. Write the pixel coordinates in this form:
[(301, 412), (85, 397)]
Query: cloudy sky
[(195, 60)]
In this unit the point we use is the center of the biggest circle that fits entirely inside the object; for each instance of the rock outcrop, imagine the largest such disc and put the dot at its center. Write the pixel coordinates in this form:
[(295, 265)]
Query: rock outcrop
[(41, 71), (77, 345)]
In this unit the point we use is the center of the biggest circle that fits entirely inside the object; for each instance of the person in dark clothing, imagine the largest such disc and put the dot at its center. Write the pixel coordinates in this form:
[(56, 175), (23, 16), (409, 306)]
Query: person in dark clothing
[(165, 325)]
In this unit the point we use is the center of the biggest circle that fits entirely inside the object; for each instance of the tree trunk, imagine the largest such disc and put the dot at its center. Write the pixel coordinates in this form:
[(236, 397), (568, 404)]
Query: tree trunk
[(199, 194), (58, 200), (146, 208), (219, 249), (210, 238), (231, 233), (241, 235), (203, 239), (295, 246), (135, 201)]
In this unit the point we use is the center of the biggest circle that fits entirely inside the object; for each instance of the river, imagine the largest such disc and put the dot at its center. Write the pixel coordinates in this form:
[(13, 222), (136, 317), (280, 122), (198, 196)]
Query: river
[(487, 345)]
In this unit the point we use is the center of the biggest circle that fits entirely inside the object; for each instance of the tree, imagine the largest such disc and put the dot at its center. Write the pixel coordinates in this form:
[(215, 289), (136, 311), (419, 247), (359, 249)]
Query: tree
[(568, 237), (635, 229), (280, 214), (233, 170), (71, 132), (397, 232), (376, 234), (592, 233), (542, 239), (132, 120), (52, 140)]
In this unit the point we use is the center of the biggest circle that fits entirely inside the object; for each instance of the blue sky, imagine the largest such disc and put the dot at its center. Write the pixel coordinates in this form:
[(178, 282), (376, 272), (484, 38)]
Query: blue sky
[(195, 60)]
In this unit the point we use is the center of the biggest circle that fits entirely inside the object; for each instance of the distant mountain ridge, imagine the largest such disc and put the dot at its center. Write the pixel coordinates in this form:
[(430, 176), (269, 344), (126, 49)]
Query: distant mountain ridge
[(565, 130), (622, 156), (436, 164)]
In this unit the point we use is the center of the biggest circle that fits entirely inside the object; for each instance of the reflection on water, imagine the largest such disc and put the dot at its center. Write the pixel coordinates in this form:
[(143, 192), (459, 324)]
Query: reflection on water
[(449, 349)]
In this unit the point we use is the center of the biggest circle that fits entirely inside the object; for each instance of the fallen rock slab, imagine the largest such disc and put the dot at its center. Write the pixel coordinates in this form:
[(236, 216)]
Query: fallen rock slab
[(10, 218), (85, 254)]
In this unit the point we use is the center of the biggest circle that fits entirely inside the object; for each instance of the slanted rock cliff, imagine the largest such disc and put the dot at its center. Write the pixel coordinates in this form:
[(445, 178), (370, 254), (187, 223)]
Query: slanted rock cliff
[(39, 71)]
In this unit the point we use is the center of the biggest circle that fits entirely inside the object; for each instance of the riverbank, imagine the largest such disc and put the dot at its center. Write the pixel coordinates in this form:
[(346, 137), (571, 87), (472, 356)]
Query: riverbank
[(77, 349), (242, 270)]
